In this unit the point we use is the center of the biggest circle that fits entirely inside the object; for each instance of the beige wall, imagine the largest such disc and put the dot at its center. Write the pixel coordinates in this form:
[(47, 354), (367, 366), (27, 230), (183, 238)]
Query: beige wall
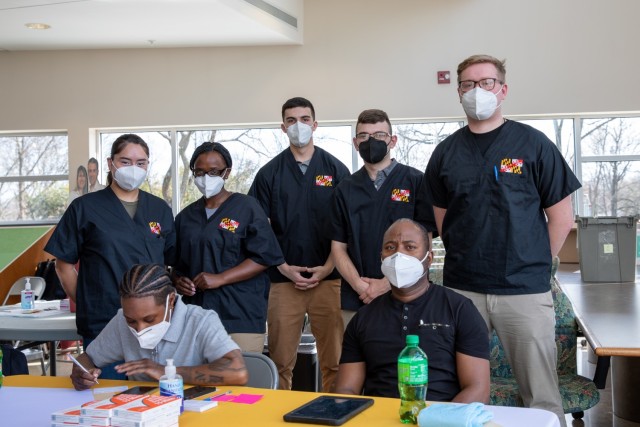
[(564, 56)]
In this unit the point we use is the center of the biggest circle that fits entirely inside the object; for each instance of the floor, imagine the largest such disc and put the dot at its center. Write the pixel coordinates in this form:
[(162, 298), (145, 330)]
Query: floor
[(600, 415)]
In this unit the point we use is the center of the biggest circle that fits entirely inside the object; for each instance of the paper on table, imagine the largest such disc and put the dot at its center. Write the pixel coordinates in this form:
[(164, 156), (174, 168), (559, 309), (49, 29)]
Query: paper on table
[(42, 309), (17, 403)]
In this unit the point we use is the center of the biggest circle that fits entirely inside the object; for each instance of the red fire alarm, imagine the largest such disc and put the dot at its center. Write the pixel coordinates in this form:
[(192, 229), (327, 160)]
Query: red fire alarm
[(444, 77)]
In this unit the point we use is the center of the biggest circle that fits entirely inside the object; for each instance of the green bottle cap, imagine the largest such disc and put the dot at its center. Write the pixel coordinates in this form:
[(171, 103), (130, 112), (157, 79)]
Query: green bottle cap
[(413, 339)]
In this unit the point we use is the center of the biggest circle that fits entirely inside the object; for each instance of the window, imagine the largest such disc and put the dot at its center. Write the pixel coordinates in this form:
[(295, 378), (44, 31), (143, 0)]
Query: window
[(34, 183), (560, 132), (416, 141), (250, 149), (611, 166)]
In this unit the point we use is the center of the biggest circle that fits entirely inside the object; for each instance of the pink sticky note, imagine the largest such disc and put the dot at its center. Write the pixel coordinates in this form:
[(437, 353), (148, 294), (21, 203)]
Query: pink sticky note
[(247, 398), (239, 398)]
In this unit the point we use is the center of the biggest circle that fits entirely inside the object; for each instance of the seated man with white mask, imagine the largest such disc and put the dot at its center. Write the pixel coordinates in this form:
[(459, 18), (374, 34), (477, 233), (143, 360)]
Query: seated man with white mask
[(451, 330), (154, 325)]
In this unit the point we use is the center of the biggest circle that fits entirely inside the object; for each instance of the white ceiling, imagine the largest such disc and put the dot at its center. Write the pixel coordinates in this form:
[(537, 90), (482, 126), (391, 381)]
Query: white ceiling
[(105, 24)]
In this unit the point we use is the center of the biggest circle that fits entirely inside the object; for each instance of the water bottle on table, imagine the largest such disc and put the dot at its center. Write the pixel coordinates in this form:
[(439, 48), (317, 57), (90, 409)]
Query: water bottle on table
[(413, 377)]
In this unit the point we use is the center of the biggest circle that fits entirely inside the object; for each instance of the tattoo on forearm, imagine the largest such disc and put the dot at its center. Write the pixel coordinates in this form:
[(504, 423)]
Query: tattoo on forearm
[(222, 371)]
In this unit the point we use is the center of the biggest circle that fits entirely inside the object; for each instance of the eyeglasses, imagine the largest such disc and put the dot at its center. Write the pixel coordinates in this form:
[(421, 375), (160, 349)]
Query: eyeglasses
[(364, 136), (486, 84), (128, 162), (211, 173)]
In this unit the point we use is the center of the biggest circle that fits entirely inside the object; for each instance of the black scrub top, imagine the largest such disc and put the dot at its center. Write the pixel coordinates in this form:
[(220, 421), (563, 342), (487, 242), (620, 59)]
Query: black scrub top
[(495, 230), (97, 231), (238, 230), (297, 206), (361, 214)]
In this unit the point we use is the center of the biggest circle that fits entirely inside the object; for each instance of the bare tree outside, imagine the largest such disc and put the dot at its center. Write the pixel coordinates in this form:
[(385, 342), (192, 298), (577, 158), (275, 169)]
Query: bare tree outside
[(416, 141), (33, 180), (612, 185)]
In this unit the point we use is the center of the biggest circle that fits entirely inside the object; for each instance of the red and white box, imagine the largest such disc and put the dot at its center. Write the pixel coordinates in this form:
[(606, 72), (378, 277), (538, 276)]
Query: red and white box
[(105, 408), (95, 421), (66, 416), (161, 421), (149, 407)]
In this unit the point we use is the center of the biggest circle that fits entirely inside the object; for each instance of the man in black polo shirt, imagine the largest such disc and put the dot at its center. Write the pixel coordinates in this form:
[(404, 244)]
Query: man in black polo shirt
[(451, 330)]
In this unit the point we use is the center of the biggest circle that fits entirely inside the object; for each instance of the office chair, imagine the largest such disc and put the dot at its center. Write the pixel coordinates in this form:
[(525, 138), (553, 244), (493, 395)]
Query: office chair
[(262, 371)]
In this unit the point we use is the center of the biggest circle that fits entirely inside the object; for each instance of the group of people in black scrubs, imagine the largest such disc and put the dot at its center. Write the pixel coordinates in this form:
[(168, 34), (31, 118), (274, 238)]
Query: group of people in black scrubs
[(308, 238)]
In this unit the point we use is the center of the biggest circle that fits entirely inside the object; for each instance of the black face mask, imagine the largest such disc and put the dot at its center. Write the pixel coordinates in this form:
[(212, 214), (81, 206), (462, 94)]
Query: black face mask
[(373, 150)]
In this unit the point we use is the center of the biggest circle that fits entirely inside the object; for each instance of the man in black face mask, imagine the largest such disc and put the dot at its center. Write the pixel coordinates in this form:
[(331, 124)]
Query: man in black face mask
[(364, 206)]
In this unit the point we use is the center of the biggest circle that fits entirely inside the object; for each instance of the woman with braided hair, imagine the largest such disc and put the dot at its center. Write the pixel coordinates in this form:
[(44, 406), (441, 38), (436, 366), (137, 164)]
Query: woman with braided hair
[(154, 325)]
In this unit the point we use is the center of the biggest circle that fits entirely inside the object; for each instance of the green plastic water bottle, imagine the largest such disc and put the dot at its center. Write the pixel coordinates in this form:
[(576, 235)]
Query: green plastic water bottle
[(413, 378)]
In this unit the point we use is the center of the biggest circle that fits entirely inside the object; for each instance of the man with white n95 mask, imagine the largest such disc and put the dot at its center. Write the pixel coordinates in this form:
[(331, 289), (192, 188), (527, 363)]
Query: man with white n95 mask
[(450, 328)]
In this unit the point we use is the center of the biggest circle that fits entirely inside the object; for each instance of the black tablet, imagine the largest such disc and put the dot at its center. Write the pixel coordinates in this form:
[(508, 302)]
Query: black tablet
[(328, 410)]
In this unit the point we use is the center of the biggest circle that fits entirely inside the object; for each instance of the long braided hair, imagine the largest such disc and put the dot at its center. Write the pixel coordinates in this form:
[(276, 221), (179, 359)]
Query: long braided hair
[(143, 280)]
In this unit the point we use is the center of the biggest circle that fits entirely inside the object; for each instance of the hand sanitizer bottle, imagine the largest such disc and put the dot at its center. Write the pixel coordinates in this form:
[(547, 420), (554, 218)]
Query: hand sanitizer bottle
[(171, 383), (26, 297)]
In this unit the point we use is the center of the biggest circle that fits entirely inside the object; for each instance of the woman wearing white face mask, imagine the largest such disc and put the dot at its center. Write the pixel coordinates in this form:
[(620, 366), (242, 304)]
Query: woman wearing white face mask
[(154, 325), (225, 245), (108, 231)]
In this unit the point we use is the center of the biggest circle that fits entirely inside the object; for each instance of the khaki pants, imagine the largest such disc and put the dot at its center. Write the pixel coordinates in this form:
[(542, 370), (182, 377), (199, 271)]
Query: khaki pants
[(285, 318), (347, 315), (525, 325), (249, 342)]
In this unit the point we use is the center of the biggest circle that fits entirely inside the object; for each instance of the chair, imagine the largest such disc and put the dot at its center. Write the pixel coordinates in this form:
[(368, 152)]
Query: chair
[(38, 286), (262, 371), (578, 393)]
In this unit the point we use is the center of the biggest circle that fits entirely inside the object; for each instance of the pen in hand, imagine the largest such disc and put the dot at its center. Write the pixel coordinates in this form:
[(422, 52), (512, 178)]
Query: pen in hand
[(75, 361), (218, 395)]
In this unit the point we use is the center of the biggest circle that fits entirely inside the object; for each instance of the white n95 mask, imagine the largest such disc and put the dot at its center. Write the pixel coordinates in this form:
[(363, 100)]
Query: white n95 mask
[(209, 186), (150, 337), (479, 104), (402, 270), (130, 177), (299, 134)]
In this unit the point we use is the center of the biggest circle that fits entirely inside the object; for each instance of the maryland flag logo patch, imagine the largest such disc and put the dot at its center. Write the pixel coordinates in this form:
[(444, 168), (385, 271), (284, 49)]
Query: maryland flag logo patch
[(229, 224), (400, 195), (324, 180), (511, 166), (155, 227)]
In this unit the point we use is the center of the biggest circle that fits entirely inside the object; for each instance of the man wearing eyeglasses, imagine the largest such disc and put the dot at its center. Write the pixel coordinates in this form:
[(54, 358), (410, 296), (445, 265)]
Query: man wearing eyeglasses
[(294, 189), (501, 198), (365, 205)]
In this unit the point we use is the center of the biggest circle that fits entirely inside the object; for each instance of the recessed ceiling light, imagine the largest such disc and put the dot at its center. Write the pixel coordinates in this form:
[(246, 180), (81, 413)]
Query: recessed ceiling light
[(37, 26)]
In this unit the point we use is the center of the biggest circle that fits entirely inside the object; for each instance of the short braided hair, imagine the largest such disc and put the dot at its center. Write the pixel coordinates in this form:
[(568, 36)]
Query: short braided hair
[(143, 280)]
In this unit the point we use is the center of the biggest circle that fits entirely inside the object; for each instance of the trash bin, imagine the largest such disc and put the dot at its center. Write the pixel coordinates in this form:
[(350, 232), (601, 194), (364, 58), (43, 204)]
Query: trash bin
[(305, 372), (607, 248)]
